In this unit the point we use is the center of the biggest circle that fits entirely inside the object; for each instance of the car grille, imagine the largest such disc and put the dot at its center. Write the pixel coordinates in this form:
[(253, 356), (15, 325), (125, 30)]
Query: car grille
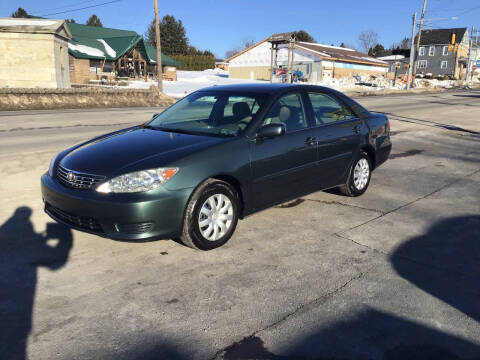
[(78, 180), (134, 228), (82, 222)]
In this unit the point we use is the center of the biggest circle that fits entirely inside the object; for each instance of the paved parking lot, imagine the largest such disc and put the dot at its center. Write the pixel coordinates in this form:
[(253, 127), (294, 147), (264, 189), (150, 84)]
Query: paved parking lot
[(393, 274)]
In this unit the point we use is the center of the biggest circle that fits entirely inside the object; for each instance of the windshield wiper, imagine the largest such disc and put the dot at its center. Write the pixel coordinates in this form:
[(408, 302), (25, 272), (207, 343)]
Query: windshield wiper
[(181, 131), (146, 126)]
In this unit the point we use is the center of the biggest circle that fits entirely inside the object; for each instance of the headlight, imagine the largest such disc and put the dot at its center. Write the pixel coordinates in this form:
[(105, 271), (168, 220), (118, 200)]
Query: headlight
[(138, 181), (52, 165)]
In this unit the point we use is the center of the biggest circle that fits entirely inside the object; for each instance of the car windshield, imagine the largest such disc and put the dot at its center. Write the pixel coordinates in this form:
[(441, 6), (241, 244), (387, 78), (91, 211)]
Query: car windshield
[(210, 113)]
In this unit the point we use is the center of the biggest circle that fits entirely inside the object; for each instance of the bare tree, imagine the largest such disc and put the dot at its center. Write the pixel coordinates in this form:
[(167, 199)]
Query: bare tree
[(367, 39), (405, 43), (232, 52), (247, 42)]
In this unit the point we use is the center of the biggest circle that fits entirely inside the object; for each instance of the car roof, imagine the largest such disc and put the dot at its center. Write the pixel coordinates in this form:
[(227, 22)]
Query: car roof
[(264, 88)]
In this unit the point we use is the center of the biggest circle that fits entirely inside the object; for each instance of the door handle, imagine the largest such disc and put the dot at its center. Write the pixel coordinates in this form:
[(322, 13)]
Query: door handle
[(311, 141), (356, 129)]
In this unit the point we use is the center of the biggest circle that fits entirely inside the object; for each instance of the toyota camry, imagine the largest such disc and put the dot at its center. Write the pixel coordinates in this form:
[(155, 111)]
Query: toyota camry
[(214, 157)]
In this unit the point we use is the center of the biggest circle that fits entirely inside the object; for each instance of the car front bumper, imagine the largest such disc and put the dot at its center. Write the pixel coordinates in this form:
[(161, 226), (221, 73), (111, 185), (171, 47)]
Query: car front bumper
[(130, 217)]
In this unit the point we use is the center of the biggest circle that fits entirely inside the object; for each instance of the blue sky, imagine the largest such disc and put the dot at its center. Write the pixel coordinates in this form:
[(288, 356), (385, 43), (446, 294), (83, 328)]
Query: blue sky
[(220, 25)]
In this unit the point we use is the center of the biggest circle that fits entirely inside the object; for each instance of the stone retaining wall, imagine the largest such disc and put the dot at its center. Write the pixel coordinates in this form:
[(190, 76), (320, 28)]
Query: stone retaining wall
[(35, 99)]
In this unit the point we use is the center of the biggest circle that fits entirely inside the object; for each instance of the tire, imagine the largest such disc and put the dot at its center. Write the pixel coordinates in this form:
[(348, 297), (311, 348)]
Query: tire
[(356, 188), (200, 215)]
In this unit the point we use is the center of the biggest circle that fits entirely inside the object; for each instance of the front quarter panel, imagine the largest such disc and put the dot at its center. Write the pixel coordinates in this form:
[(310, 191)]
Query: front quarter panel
[(230, 158)]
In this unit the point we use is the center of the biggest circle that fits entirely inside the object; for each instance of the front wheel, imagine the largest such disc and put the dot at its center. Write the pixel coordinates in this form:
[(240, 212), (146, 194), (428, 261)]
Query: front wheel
[(211, 215), (359, 177)]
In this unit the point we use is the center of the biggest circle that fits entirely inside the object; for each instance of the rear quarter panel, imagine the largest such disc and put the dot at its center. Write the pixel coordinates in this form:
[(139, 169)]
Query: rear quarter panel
[(379, 136)]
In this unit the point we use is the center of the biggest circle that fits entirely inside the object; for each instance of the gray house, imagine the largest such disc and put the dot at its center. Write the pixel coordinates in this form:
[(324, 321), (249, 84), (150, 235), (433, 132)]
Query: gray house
[(437, 59)]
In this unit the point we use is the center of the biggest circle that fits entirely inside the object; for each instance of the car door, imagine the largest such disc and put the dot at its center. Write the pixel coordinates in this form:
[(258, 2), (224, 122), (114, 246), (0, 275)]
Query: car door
[(338, 133), (282, 166)]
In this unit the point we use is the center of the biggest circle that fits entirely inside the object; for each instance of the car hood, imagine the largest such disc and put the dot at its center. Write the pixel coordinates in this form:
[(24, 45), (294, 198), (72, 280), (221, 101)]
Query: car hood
[(133, 149)]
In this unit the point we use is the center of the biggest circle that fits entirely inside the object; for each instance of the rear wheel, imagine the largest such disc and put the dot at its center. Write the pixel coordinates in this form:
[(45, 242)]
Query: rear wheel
[(211, 215), (359, 177)]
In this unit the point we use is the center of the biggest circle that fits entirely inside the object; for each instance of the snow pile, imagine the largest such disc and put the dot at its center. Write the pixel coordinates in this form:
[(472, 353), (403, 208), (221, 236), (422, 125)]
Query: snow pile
[(112, 53)]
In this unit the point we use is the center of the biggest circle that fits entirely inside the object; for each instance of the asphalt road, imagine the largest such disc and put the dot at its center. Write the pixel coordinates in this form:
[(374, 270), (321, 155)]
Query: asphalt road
[(393, 274)]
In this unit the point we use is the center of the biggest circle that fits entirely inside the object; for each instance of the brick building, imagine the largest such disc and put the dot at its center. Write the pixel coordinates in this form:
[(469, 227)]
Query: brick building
[(97, 53)]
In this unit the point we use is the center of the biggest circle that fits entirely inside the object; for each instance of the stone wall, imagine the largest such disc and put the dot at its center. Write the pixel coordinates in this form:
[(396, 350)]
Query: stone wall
[(34, 99), (33, 60)]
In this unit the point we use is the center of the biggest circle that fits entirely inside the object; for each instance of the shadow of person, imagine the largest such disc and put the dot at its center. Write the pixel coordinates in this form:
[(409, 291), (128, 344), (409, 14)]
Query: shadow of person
[(22, 252)]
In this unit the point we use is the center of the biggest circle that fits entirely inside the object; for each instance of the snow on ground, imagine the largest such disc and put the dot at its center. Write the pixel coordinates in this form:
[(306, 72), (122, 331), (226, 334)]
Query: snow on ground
[(190, 81)]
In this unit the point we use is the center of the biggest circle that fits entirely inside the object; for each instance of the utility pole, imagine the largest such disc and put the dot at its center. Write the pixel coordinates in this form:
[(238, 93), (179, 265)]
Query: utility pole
[(419, 35), (412, 51), (469, 62), (159, 47)]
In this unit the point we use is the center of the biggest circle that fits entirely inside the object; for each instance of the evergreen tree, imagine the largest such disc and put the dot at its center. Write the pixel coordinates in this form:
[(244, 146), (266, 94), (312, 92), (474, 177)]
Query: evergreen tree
[(94, 21), (20, 13), (173, 36), (71, 21), (377, 49), (302, 35)]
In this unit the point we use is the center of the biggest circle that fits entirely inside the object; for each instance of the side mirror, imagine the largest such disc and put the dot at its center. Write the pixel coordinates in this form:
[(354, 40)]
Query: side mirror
[(271, 130)]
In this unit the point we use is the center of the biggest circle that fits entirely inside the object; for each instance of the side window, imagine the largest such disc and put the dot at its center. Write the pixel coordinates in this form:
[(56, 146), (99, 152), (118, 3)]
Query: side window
[(236, 103), (288, 110), (328, 109)]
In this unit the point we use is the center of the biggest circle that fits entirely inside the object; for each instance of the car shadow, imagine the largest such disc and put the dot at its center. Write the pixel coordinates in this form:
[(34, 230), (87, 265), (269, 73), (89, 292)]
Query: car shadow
[(452, 249), (22, 252), (444, 262)]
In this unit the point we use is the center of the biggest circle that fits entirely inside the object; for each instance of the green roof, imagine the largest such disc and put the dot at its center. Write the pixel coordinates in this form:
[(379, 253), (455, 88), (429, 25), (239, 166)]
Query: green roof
[(152, 56), (92, 42), (95, 32)]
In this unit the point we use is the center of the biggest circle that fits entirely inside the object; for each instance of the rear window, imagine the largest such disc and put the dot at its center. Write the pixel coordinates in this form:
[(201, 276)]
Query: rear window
[(328, 109)]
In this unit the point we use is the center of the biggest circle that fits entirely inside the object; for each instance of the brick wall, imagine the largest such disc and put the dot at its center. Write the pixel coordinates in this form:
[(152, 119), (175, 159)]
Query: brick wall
[(80, 70)]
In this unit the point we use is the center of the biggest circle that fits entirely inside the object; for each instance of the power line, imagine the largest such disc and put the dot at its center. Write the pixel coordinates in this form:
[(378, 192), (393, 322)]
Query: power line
[(67, 6), (468, 10), (83, 8)]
